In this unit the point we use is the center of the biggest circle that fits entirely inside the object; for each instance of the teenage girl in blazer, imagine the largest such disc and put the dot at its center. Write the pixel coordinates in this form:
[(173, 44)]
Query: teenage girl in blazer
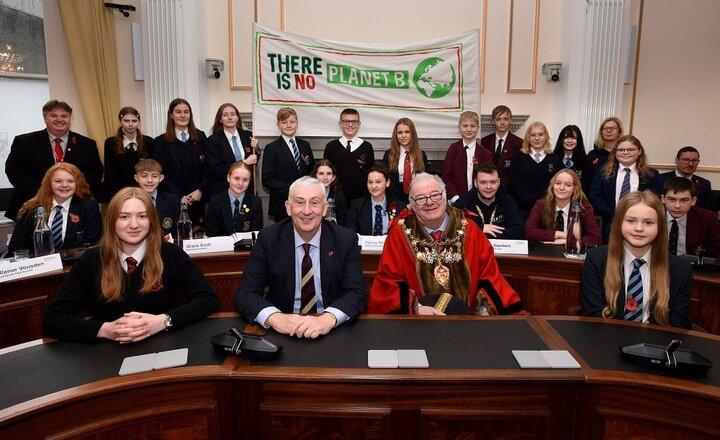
[(221, 218), (639, 232), (361, 215), (129, 284), (325, 171), (124, 150), (404, 141), (570, 148)]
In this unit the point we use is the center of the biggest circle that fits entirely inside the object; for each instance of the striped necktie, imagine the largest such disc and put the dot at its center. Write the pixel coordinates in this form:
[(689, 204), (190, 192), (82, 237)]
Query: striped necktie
[(378, 224), (56, 228), (296, 153), (308, 301), (625, 188), (634, 295), (131, 265)]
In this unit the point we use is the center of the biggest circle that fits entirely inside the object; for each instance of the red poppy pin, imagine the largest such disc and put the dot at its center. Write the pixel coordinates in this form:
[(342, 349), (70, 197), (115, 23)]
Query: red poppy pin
[(306, 159), (631, 304), (331, 253), (74, 218), (74, 140), (697, 184), (247, 150), (362, 157), (595, 161), (474, 161)]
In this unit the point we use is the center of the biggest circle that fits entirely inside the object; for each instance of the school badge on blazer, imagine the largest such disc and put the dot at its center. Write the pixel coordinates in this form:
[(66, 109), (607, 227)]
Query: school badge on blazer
[(246, 226), (166, 223)]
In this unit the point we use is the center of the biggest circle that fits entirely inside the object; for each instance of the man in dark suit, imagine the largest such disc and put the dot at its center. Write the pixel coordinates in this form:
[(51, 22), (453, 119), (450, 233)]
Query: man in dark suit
[(502, 144), (686, 163), (689, 226), (31, 154), (285, 160), (311, 266)]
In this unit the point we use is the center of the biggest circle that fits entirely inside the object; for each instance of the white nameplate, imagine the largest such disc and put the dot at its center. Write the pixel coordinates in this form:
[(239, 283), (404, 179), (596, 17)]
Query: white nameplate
[(209, 245), (372, 242), (510, 246), (32, 266)]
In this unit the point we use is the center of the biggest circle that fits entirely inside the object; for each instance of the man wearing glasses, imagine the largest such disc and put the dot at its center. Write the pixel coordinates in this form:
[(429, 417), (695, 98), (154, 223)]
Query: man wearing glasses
[(310, 267), (436, 261), (351, 155), (686, 163)]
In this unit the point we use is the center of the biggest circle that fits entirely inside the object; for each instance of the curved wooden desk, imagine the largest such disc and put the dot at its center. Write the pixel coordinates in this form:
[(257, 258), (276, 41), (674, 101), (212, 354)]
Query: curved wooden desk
[(322, 388), (547, 283)]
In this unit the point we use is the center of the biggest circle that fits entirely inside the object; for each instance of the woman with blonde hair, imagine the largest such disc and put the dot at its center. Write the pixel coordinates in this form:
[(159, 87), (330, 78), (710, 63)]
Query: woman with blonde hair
[(404, 158), (609, 131), (71, 211), (625, 171), (549, 219), (130, 282), (634, 278), (532, 168)]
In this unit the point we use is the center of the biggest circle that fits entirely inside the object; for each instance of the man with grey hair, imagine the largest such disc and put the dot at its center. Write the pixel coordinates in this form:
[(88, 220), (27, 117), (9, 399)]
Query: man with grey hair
[(311, 267), (435, 262)]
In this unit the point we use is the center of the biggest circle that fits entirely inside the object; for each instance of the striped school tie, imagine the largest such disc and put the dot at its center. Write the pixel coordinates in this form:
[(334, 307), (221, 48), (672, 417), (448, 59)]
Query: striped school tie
[(635, 293), (308, 301), (56, 228), (296, 153)]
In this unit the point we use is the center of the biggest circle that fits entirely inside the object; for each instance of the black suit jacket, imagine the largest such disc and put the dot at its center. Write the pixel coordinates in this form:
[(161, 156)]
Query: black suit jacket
[(397, 186), (167, 206), (702, 188), (219, 221), (360, 217), (168, 154), (272, 264), (31, 155), (279, 172), (83, 225), (120, 168), (593, 290), (512, 144), (219, 156)]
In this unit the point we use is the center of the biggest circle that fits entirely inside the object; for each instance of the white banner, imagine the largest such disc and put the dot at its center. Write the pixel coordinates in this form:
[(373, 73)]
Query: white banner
[(430, 82)]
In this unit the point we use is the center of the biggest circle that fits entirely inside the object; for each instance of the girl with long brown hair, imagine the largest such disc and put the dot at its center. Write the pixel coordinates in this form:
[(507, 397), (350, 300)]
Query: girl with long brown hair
[(124, 150), (63, 192), (634, 277), (130, 282), (404, 158), (549, 219)]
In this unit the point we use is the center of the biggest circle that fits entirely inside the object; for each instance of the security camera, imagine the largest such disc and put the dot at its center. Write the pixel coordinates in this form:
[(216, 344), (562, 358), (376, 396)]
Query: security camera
[(552, 71), (213, 67)]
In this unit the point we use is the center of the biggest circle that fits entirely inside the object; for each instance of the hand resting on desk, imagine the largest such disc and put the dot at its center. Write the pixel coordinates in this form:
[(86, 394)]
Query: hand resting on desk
[(132, 327)]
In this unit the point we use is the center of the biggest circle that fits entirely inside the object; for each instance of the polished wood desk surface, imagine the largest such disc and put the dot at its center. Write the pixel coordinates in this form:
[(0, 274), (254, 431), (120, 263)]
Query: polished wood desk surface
[(470, 358)]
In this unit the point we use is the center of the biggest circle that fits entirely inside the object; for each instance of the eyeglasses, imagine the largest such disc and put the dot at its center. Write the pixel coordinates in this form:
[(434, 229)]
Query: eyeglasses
[(626, 150), (610, 129), (692, 161), (350, 123), (422, 200)]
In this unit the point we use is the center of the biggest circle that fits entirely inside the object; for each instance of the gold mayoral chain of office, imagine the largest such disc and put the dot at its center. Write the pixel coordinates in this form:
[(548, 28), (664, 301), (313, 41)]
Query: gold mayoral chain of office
[(441, 253)]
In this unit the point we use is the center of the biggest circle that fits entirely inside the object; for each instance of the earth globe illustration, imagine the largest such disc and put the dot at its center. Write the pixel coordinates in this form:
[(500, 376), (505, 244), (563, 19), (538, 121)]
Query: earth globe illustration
[(434, 77)]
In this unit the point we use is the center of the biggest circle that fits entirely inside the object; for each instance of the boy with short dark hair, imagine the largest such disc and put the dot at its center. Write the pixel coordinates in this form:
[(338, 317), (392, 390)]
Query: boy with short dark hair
[(351, 155), (148, 175)]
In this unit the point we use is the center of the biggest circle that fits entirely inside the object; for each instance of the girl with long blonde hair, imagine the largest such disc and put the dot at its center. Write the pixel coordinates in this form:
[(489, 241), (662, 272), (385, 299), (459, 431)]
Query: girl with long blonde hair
[(634, 277), (130, 282)]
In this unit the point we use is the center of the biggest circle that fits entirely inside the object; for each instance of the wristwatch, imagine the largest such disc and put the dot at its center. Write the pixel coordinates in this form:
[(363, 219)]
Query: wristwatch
[(168, 322)]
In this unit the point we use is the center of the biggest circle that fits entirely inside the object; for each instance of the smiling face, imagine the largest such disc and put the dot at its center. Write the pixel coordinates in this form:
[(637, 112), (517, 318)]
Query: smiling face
[(569, 144), (130, 124), (349, 124), (627, 153), (62, 185), (563, 188), (487, 185), (149, 180), (468, 130), (537, 138), (639, 228), (307, 207), (57, 121), (431, 213), (325, 175), (377, 184), (229, 118), (239, 180), (181, 116), (288, 126), (132, 225), (404, 135)]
